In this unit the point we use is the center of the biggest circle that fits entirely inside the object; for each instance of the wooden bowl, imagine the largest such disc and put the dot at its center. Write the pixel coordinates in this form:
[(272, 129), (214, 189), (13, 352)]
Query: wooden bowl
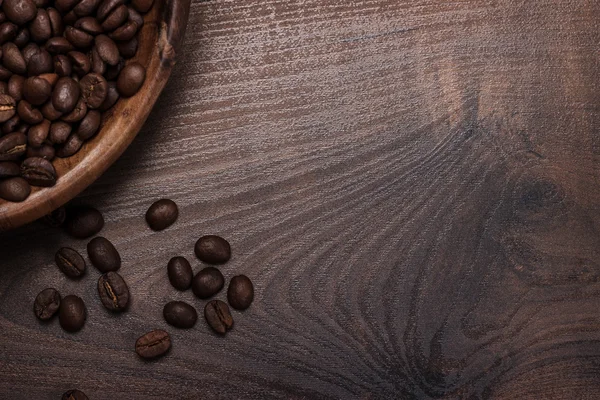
[(159, 40)]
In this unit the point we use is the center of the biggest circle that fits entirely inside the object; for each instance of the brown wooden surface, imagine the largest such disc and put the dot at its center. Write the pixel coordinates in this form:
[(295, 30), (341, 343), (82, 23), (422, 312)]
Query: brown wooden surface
[(413, 186)]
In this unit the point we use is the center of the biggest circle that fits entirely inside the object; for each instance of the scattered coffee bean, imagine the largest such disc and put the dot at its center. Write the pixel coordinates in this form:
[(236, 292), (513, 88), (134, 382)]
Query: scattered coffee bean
[(180, 314), (83, 222), (180, 273), (213, 249), (240, 292), (153, 344), (56, 218), (9, 169), (14, 189), (38, 172), (72, 313), (19, 11), (207, 282), (103, 254), (89, 125), (113, 292), (65, 95), (36, 90), (70, 262), (218, 317), (74, 394), (46, 304), (131, 79), (12, 146), (93, 89), (7, 107), (162, 214)]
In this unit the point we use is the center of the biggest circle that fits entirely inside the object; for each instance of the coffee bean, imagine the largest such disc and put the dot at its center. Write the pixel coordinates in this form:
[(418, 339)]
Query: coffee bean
[(89, 125), (12, 59), (128, 48), (107, 49), (125, 32), (12, 146), (112, 95), (74, 394), (7, 107), (22, 38), (59, 132), (218, 317), (8, 31), (113, 292), (56, 22), (39, 63), (40, 28), (15, 87), (116, 18), (113, 71), (45, 151), (71, 146), (208, 282), (51, 78), (89, 25), (36, 90), (4, 73), (180, 314), (70, 262), (142, 6), (83, 222), (56, 218), (93, 89), (36, 136), (11, 125), (59, 45), (98, 65), (65, 5), (62, 65), (153, 344), (78, 38), (86, 7), (103, 254), (38, 172), (14, 189), (19, 11), (213, 249), (65, 95), (131, 79), (81, 63), (78, 112), (72, 313), (106, 7), (135, 16), (240, 293), (162, 214), (28, 113), (9, 169), (46, 304), (180, 273)]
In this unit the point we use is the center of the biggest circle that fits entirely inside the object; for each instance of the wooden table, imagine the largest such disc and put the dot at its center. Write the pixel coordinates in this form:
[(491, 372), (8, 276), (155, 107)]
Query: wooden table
[(413, 186)]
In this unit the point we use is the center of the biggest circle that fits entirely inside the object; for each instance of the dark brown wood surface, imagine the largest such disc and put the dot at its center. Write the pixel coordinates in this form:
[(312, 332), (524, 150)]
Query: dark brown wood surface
[(413, 186)]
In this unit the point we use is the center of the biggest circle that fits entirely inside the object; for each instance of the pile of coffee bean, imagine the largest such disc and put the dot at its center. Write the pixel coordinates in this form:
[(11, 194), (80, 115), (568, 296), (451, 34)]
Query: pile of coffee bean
[(63, 63)]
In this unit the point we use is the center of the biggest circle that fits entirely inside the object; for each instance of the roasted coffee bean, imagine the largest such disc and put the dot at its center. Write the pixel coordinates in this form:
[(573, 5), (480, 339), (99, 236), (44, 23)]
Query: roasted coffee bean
[(59, 45), (19, 11), (29, 50), (74, 394), (98, 65), (116, 18), (59, 132), (136, 17), (8, 31), (56, 22), (89, 125), (36, 90), (14, 189), (11, 125), (162, 214), (213, 249), (62, 65), (142, 6), (12, 58), (103, 254), (65, 5), (51, 78), (7, 109), (107, 49), (86, 7), (70, 262), (9, 169), (129, 48), (72, 313), (37, 134), (113, 292), (208, 282), (218, 316), (15, 87), (112, 95), (81, 63), (46, 304), (39, 63), (56, 218), (65, 95), (123, 33), (38, 172), (131, 79), (89, 25), (78, 38), (4, 73), (180, 314), (153, 344), (106, 7), (78, 112), (180, 273), (45, 151), (83, 221), (71, 146), (40, 28), (113, 71), (241, 292), (12, 146), (29, 114), (93, 89)]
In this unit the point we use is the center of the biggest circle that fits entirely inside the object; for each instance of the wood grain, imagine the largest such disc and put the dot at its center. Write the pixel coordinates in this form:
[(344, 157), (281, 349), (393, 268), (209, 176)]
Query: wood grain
[(412, 186)]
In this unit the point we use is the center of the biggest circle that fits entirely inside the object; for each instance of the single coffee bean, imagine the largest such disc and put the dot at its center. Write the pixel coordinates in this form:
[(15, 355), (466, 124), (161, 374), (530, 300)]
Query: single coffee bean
[(59, 45), (59, 132), (131, 79), (81, 63), (83, 222), (15, 87), (12, 146), (74, 394), (36, 90), (142, 6), (103, 254), (116, 18), (56, 22), (62, 65), (180, 314), (218, 316), (9, 169), (93, 89), (153, 344), (89, 125), (162, 214), (128, 48), (14, 189), (106, 7), (8, 31), (72, 313), (65, 95), (240, 293), (12, 58), (86, 7), (11, 125), (71, 146), (38, 172), (5, 74), (208, 282), (37, 134), (113, 292), (112, 95), (89, 25), (78, 112), (28, 113), (78, 38), (39, 63), (56, 218), (70, 262), (40, 28), (136, 17), (46, 304), (45, 151), (98, 65), (7, 107), (213, 249), (107, 49), (19, 11), (180, 273), (51, 78), (125, 32)]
